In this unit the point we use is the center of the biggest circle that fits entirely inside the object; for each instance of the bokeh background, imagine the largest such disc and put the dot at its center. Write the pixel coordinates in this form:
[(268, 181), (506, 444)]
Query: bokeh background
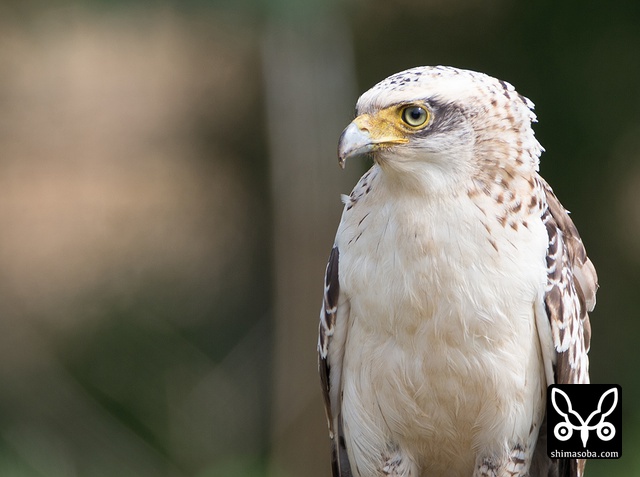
[(169, 193)]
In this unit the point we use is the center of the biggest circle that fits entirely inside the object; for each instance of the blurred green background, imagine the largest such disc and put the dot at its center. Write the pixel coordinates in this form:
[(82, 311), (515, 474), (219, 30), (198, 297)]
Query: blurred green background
[(169, 193)]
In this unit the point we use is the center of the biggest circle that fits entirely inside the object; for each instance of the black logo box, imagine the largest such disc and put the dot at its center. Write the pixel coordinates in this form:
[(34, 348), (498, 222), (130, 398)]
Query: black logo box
[(591, 412)]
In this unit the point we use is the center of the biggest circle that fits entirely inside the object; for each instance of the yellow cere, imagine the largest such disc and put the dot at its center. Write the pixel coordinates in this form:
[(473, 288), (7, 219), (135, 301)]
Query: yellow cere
[(395, 124)]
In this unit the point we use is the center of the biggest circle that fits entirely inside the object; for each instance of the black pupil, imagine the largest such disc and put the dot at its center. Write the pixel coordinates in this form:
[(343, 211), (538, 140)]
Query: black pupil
[(415, 114)]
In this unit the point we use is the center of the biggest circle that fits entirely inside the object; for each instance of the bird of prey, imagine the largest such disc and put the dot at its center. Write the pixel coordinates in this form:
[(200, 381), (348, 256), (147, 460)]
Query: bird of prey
[(457, 289)]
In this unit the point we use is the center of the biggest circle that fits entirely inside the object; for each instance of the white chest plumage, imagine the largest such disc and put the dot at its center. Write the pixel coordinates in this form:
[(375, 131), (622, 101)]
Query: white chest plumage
[(442, 356)]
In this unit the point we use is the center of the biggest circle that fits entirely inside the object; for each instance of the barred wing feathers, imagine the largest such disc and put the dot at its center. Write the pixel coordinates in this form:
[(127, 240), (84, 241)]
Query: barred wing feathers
[(569, 295), (331, 341)]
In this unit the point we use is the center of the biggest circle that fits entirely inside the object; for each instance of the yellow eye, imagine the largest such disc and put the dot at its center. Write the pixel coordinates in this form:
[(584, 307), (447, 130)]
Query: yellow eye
[(415, 116)]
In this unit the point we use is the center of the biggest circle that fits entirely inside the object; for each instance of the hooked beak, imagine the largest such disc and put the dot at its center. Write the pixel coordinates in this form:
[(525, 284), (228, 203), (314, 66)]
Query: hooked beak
[(367, 134), (353, 142)]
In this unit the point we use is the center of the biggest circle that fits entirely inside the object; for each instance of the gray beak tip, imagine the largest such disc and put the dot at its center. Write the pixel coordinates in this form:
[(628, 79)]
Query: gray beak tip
[(353, 142)]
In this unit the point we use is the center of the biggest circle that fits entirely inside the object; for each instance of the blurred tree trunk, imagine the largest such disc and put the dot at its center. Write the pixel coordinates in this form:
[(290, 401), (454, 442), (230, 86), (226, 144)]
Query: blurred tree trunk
[(309, 82)]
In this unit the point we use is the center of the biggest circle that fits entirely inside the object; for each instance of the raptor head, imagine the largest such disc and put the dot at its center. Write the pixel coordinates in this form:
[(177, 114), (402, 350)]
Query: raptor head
[(442, 124)]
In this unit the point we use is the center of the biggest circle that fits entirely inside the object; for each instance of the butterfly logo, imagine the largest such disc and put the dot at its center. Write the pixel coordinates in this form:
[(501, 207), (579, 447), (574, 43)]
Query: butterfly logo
[(573, 421)]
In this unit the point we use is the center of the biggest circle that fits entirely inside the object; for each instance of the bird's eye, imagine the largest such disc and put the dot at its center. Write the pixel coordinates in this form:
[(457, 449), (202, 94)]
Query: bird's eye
[(415, 116)]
